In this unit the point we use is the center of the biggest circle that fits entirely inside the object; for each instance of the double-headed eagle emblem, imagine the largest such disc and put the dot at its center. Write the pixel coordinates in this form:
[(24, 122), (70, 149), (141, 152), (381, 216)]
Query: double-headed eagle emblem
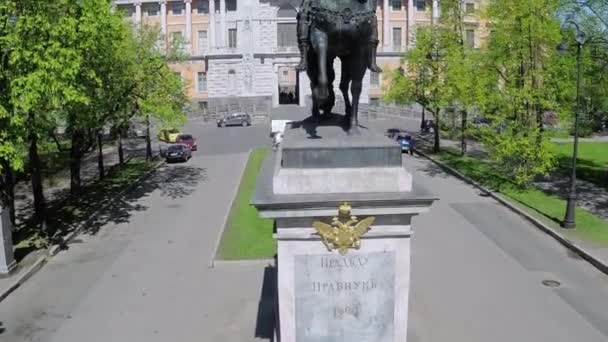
[(345, 230)]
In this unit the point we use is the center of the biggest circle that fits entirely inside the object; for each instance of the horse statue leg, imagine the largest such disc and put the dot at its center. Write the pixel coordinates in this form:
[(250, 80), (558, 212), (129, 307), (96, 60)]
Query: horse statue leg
[(331, 100), (319, 43), (313, 73), (358, 67), (344, 83)]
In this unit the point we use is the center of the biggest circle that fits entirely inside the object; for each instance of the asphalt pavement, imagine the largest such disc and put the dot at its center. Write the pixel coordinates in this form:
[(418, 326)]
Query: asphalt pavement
[(477, 268)]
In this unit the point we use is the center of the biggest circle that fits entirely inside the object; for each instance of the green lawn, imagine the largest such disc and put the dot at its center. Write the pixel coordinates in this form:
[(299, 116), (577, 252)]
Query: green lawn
[(592, 163), (551, 208), (247, 235)]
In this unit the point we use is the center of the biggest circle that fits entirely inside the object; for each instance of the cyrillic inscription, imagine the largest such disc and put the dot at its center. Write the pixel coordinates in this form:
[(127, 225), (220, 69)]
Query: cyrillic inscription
[(345, 298)]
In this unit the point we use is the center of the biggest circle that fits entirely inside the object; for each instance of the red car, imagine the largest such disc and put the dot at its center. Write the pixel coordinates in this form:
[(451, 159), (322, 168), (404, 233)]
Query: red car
[(188, 140)]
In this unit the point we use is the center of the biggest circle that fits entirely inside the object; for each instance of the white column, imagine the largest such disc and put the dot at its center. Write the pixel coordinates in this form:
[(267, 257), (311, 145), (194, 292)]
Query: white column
[(188, 25), (138, 12), (410, 23), (211, 33), (435, 11), (163, 18), (7, 260), (275, 88), (386, 29), (223, 43)]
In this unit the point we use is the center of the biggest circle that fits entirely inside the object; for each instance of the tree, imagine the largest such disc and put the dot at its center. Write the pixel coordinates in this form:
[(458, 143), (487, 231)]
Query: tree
[(43, 64), (424, 80), (523, 78), (11, 126), (102, 35), (461, 63), (158, 93)]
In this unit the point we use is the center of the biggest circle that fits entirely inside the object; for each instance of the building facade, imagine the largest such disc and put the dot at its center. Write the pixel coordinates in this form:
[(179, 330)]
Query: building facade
[(245, 51)]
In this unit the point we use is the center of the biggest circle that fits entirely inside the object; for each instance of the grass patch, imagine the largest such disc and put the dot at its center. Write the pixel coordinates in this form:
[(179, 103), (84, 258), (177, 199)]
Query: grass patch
[(592, 163), (65, 216), (247, 235), (589, 227)]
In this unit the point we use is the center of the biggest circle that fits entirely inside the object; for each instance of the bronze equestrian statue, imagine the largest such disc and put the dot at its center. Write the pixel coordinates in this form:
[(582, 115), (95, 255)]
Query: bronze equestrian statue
[(337, 28)]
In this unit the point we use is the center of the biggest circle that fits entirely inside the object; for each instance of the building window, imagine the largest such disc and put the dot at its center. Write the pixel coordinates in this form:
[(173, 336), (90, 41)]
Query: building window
[(396, 5), (397, 38), (492, 36), (285, 76), (421, 5), (232, 79), (286, 35), (470, 39), (177, 37), (232, 38), (203, 105), (217, 6), (152, 10), (470, 8), (127, 10), (374, 79), (230, 5), (177, 8), (202, 7), (201, 82), (178, 74), (203, 42)]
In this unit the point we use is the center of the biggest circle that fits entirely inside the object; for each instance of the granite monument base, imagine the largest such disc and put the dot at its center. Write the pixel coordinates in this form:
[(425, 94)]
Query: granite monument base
[(324, 296)]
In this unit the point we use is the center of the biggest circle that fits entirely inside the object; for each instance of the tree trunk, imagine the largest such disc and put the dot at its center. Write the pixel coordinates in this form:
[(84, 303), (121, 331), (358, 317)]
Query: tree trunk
[(100, 155), (7, 189), (422, 123), (436, 146), (121, 155), (76, 153), (463, 132), (36, 176), (148, 141)]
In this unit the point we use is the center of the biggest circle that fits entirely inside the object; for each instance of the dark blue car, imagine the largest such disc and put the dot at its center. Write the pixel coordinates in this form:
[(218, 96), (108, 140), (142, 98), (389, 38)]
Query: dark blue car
[(406, 143)]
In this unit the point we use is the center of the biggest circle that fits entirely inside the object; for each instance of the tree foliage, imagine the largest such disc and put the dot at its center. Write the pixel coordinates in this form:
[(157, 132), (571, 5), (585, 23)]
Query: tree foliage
[(76, 65)]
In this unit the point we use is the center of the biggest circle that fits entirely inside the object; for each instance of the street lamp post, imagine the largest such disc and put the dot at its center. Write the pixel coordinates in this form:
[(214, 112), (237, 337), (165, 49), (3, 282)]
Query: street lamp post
[(581, 37)]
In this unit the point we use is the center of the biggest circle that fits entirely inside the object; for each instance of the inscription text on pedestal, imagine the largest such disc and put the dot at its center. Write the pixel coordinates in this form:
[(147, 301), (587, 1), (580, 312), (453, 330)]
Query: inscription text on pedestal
[(345, 298)]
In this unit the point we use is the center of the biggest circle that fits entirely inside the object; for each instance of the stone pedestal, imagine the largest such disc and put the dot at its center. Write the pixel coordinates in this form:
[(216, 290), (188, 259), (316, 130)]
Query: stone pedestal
[(324, 296), (7, 261)]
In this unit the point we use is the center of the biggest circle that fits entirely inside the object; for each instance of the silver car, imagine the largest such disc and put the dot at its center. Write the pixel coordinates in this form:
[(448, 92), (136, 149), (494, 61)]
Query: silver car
[(236, 119)]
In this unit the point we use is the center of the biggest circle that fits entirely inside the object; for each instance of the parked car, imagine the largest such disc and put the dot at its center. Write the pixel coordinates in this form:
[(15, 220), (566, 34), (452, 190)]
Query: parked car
[(178, 152), (392, 133), (236, 119), (480, 122), (406, 143), (188, 140), (168, 135)]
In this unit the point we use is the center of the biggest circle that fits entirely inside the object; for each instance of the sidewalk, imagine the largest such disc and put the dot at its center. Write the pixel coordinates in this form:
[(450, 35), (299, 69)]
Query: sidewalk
[(590, 197), (59, 187), (57, 191)]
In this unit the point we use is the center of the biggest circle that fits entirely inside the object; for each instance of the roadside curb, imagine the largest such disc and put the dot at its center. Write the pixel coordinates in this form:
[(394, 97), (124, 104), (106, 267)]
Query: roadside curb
[(55, 249), (24, 277), (586, 255), (243, 262), (236, 192)]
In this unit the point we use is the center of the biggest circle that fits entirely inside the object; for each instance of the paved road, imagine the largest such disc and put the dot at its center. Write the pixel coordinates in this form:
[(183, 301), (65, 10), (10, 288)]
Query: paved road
[(476, 273)]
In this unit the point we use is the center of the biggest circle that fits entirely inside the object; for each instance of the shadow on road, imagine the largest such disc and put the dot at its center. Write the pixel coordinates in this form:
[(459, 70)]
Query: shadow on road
[(65, 216), (266, 322), (173, 182)]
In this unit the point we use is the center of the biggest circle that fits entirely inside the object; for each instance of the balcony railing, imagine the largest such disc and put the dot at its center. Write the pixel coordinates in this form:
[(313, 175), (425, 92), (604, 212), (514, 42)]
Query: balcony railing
[(285, 49)]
